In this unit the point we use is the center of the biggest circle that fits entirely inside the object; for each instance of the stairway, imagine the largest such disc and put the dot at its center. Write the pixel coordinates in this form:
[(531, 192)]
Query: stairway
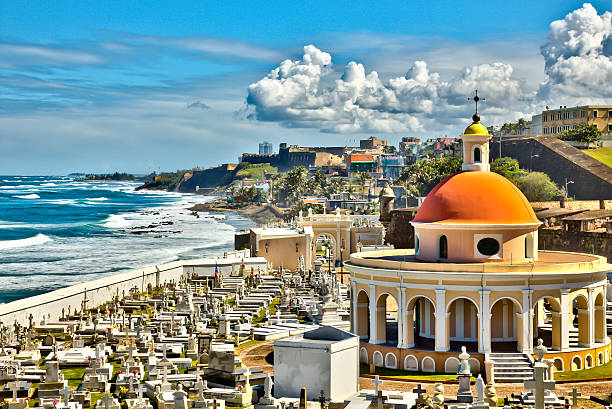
[(511, 367), (609, 317)]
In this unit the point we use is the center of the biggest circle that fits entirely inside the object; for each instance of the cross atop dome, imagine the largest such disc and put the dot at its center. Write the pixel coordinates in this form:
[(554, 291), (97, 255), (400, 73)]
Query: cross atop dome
[(476, 98), (476, 142)]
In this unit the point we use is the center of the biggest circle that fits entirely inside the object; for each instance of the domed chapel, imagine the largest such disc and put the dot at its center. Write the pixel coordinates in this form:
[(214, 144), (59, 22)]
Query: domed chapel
[(476, 278)]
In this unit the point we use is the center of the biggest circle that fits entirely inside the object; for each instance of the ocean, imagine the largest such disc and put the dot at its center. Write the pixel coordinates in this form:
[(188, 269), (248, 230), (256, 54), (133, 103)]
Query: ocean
[(59, 231)]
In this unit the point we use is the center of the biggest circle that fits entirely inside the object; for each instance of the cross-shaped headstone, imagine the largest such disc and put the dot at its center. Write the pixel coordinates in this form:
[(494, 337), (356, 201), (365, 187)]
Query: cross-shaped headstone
[(131, 349), (15, 389), (140, 393), (575, 395), (66, 392), (539, 385), (377, 382), (247, 378), (165, 350), (419, 391), (199, 387)]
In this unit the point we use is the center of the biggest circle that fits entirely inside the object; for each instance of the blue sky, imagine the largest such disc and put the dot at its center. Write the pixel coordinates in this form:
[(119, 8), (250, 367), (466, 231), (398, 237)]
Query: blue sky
[(141, 86)]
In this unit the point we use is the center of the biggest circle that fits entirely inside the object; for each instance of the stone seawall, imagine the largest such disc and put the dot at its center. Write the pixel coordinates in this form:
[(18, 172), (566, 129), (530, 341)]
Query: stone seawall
[(102, 290)]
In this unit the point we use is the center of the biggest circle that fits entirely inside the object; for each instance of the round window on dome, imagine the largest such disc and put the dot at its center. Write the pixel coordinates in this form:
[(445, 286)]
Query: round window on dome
[(488, 246)]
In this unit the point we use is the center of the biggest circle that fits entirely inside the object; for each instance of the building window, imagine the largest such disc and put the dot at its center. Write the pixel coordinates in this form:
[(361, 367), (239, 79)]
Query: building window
[(529, 246), (416, 244), (566, 127), (477, 155), (609, 127), (544, 118), (488, 246), (443, 247), (582, 114), (575, 114), (545, 130), (558, 129), (610, 114), (559, 116), (594, 114)]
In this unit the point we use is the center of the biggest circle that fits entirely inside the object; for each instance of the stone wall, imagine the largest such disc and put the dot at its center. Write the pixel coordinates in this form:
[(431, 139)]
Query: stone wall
[(592, 179), (574, 205), (579, 242), (102, 290), (400, 232)]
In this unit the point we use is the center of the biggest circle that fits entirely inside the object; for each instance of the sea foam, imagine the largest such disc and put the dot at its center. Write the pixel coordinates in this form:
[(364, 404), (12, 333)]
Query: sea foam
[(30, 196), (115, 221), (30, 241)]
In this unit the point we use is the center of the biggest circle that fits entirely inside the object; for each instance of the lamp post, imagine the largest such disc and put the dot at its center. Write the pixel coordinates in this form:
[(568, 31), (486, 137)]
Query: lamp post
[(341, 267), (567, 182), (530, 160)]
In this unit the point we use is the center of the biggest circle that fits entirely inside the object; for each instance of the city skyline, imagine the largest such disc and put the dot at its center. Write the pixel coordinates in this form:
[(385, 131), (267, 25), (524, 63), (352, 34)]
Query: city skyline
[(105, 87)]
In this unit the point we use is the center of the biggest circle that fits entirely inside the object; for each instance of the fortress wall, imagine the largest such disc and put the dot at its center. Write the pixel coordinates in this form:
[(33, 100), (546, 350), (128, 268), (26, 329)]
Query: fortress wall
[(102, 290)]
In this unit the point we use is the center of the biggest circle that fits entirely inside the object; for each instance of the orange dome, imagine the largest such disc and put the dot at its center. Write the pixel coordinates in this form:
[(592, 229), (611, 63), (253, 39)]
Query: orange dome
[(476, 198)]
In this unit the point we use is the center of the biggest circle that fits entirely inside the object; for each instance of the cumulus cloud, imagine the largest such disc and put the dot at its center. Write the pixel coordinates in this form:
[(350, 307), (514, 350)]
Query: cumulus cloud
[(578, 58), (304, 93)]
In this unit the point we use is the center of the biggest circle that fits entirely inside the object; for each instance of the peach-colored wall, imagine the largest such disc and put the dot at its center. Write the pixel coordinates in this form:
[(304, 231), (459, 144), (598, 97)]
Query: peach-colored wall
[(282, 251), (461, 244)]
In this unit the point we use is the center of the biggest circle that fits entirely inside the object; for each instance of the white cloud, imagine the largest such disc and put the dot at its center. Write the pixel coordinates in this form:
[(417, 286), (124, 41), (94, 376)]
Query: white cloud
[(293, 94), (578, 58)]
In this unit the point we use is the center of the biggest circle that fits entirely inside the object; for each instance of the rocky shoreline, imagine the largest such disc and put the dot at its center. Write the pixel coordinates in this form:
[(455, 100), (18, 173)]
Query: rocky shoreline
[(258, 213)]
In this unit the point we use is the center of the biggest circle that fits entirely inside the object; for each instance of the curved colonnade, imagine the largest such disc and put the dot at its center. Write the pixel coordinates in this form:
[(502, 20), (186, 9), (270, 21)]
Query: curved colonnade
[(415, 316)]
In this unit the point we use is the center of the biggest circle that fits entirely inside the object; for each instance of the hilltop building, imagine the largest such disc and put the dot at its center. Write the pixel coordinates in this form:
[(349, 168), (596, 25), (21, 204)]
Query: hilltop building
[(476, 278), (564, 118), (265, 148)]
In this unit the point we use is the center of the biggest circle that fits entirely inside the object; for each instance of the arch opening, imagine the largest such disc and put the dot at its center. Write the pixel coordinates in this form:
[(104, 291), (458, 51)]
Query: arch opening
[(387, 320), (421, 323), (463, 324), (504, 325), (362, 326)]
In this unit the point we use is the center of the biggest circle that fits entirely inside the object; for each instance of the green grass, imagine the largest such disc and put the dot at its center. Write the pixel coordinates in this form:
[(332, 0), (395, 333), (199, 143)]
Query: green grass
[(604, 155), (95, 397), (603, 371), (74, 376), (397, 373), (247, 345), (256, 171)]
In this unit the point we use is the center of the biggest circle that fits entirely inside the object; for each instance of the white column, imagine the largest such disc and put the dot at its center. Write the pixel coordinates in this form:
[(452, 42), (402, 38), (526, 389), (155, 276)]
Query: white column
[(564, 320), (400, 319), (354, 307), (485, 323), (440, 315), (591, 310), (527, 315), (372, 314)]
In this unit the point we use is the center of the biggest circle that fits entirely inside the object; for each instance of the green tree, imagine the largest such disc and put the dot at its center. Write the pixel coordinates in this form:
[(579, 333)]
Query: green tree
[(584, 133), (538, 187), (507, 167), (424, 175), (390, 149), (300, 206), (293, 185)]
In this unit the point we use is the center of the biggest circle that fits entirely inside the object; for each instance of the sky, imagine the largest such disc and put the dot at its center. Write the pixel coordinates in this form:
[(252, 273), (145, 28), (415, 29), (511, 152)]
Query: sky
[(157, 86)]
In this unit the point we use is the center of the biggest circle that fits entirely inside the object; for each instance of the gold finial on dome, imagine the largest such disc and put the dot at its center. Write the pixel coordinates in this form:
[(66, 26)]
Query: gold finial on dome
[(476, 142)]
